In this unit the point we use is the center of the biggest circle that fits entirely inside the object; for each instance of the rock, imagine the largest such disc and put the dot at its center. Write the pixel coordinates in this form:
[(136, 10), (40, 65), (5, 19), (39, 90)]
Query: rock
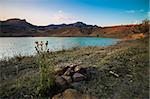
[(58, 96), (68, 94), (67, 78), (77, 84), (73, 65), (80, 70), (77, 68), (113, 73), (86, 96), (78, 77), (59, 70), (72, 94), (60, 81), (69, 72)]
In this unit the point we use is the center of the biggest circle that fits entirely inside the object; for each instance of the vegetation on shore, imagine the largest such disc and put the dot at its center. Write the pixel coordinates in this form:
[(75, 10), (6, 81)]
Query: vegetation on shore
[(118, 72)]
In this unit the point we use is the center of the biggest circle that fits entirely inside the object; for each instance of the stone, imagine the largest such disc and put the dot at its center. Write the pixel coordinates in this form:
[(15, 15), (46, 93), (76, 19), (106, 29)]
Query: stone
[(58, 96), (73, 94), (68, 94), (69, 72), (60, 81), (86, 96), (77, 84), (77, 68), (113, 73), (78, 77), (59, 70), (80, 70), (67, 78), (73, 65)]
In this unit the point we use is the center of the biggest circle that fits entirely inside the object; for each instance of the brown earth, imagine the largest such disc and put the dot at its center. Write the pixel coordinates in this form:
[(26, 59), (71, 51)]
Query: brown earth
[(17, 27)]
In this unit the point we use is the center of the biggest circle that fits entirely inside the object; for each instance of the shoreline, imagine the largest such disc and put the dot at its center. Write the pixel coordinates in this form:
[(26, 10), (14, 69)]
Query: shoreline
[(56, 39), (124, 59)]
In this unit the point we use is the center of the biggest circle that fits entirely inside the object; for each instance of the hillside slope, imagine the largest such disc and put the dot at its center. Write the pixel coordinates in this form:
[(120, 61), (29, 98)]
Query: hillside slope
[(17, 27)]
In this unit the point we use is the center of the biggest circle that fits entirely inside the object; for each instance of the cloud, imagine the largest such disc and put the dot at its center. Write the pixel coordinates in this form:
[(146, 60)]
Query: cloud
[(130, 11), (141, 10), (148, 14), (136, 22), (134, 11), (60, 11), (37, 17), (61, 17)]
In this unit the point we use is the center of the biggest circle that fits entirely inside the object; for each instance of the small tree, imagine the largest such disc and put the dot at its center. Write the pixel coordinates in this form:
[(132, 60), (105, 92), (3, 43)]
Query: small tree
[(145, 26)]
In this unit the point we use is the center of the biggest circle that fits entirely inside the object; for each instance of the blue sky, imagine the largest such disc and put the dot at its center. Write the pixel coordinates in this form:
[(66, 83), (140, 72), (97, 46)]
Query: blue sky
[(99, 12)]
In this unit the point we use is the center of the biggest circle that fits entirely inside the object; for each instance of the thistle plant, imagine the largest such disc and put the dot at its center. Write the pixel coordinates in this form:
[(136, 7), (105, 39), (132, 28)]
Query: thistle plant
[(41, 47), (46, 76)]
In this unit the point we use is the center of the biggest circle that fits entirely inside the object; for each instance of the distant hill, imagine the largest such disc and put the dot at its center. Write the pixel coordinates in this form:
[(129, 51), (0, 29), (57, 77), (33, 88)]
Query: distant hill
[(18, 27), (74, 25)]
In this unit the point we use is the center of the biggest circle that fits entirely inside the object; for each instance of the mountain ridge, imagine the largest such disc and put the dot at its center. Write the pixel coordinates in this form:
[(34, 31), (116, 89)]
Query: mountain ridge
[(21, 28), (76, 24)]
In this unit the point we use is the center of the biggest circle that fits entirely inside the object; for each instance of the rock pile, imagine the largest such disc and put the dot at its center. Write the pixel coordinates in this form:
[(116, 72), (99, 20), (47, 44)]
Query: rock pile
[(69, 74)]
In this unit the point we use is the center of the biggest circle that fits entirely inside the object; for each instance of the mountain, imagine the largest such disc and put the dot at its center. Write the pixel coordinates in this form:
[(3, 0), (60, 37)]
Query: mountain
[(73, 25), (18, 27)]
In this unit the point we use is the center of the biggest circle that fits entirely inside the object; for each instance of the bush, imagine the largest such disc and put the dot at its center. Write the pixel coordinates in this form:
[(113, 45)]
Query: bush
[(145, 26)]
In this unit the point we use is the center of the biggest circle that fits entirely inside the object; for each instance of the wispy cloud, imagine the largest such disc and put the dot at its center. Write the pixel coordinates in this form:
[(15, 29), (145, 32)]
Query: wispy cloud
[(134, 11), (136, 21), (141, 10), (62, 17), (130, 11), (148, 14)]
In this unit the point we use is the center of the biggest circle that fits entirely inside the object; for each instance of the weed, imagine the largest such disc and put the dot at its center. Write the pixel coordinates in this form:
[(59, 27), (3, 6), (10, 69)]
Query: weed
[(46, 71)]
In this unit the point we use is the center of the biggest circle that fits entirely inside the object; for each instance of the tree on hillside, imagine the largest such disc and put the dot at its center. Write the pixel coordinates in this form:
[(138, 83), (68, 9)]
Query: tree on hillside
[(144, 28)]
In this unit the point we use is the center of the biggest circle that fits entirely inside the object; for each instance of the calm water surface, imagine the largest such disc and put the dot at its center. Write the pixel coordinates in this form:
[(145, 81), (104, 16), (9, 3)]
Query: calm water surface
[(10, 46)]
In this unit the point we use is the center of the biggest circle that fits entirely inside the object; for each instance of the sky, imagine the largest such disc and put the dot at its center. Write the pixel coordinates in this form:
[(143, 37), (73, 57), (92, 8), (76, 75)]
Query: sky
[(95, 12)]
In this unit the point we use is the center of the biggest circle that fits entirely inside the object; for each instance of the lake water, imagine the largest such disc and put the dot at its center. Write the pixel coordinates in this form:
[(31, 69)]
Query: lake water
[(10, 46)]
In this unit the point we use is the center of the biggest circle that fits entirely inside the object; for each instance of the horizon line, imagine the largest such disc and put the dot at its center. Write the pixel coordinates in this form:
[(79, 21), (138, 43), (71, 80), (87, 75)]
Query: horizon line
[(140, 21)]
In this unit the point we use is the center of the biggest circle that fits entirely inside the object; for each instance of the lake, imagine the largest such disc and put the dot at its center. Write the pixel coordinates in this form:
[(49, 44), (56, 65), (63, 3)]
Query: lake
[(10, 46)]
